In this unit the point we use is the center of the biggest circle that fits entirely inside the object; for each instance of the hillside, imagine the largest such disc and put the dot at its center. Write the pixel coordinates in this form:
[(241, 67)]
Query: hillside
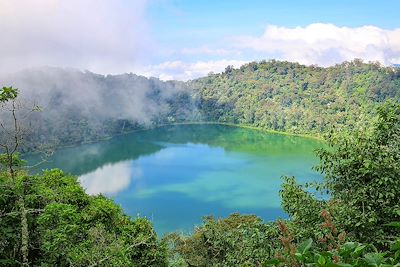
[(290, 97), (82, 106)]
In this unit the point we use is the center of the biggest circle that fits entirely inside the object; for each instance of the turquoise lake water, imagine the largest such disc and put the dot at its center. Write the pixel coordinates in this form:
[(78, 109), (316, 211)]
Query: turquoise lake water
[(175, 175)]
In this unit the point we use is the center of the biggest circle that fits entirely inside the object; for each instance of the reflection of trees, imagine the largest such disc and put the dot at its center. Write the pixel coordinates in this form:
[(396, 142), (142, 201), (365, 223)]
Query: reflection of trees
[(85, 158), (235, 139)]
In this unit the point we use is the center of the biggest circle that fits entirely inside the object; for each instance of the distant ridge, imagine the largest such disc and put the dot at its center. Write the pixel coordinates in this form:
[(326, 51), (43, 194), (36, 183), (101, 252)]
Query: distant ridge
[(283, 96)]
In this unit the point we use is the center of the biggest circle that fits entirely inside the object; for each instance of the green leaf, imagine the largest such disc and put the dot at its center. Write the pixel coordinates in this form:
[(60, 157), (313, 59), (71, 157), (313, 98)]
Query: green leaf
[(374, 259), (271, 262), (359, 249), (396, 245), (305, 246), (349, 247), (8, 93), (394, 224), (321, 260), (332, 264)]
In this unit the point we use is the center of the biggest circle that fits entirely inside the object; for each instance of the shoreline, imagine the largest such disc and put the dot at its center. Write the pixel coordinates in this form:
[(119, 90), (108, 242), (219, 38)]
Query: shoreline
[(243, 126)]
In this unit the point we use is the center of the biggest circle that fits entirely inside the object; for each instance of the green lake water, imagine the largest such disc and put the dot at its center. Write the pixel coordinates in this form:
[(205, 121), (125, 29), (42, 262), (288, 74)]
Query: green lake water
[(174, 175)]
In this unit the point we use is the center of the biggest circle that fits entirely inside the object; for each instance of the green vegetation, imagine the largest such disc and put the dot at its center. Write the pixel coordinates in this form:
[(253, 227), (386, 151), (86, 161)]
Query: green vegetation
[(234, 241), (48, 219), (66, 227), (272, 95), (290, 97)]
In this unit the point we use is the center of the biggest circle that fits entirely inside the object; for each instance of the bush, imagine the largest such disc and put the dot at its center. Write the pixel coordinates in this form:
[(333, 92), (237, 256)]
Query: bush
[(239, 240)]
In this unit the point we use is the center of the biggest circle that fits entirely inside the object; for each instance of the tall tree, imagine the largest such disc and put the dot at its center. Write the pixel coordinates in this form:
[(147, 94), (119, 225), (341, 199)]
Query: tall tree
[(362, 171), (12, 134)]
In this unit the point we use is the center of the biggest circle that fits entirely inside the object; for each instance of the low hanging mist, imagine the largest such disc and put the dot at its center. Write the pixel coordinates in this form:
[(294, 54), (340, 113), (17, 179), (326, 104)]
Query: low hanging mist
[(80, 105)]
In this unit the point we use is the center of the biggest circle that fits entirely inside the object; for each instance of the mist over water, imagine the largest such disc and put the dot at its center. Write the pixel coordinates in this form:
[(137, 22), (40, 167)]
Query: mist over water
[(174, 175)]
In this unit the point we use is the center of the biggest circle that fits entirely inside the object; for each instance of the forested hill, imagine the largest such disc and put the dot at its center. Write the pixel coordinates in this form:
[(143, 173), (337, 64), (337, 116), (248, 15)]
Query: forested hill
[(295, 98), (82, 106)]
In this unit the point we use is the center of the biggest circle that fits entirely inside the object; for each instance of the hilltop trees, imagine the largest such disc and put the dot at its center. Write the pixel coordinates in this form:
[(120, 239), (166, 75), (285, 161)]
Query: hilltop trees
[(290, 97)]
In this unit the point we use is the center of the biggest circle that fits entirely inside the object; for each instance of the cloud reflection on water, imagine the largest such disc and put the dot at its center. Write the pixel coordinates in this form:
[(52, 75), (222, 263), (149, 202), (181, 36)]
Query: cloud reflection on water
[(110, 179)]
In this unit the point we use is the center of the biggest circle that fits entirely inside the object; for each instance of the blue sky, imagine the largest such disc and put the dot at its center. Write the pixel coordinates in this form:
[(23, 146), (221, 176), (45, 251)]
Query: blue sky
[(209, 19), (177, 39)]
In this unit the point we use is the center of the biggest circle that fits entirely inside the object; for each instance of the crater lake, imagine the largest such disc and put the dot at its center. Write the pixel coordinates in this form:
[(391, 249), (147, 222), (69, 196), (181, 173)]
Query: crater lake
[(175, 175)]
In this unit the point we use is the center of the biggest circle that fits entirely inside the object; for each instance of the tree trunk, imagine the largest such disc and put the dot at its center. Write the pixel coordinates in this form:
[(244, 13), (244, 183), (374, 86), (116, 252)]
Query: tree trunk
[(24, 233)]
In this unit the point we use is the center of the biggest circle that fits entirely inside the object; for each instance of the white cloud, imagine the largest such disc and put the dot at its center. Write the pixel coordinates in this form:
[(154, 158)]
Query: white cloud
[(112, 37), (325, 44), (188, 70), (205, 50), (99, 35)]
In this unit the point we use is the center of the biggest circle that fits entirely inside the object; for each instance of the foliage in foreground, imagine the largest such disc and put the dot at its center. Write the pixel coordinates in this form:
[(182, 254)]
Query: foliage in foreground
[(332, 249), (362, 174), (69, 228), (239, 240)]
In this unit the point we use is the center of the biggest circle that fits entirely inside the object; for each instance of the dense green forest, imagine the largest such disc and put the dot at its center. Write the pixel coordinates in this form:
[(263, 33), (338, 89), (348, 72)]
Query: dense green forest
[(48, 220), (294, 98), (275, 95)]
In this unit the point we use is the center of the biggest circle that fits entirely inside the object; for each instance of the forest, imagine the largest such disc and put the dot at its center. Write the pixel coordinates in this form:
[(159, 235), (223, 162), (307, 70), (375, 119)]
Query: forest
[(79, 107), (47, 219), (290, 97)]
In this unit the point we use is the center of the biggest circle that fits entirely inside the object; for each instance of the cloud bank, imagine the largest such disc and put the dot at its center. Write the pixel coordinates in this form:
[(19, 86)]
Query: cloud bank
[(326, 44), (113, 37), (99, 35), (77, 105)]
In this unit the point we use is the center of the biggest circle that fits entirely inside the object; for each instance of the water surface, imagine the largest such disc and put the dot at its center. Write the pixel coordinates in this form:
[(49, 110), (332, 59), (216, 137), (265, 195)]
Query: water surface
[(174, 175)]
